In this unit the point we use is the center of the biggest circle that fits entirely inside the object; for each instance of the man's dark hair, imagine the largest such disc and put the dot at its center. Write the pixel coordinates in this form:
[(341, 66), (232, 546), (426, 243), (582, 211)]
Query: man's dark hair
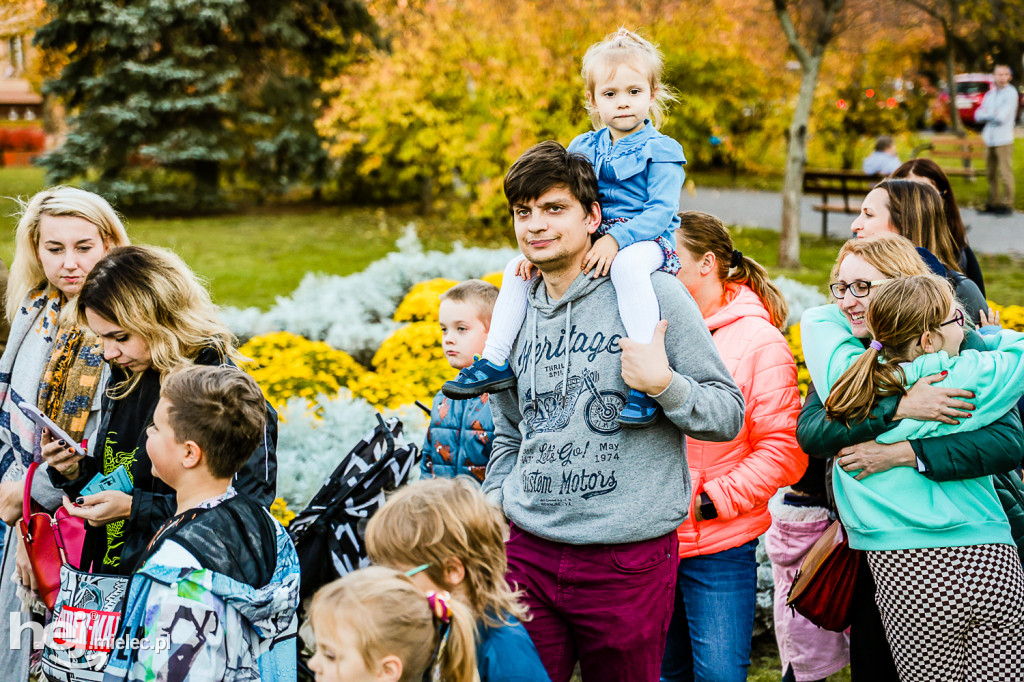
[(548, 165), (883, 143)]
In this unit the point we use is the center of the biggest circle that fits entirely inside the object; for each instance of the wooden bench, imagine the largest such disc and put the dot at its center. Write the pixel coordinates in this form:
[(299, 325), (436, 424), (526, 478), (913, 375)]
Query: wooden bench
[(847, 187), (945, 150)]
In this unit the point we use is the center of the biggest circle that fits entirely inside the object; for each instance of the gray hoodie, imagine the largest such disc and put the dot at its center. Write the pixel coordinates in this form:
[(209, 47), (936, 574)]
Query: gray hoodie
[(561, 467)]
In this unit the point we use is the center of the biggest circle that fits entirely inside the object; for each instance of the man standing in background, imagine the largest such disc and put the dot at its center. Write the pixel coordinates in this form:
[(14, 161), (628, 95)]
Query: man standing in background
[(998, 111)]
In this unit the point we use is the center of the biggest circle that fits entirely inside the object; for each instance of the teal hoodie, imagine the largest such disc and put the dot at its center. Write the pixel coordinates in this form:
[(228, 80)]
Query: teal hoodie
[(901, 508)]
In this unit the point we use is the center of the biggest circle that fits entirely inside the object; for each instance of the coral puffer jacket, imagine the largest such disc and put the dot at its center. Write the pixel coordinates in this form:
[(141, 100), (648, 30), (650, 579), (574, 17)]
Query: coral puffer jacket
[(741, 475)]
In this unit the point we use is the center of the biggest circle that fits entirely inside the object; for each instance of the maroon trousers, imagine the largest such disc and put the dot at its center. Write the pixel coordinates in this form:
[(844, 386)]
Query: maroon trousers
[(606, 606)]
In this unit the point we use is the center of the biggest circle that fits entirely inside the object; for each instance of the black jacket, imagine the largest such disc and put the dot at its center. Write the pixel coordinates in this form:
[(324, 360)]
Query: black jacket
[(153, 502)]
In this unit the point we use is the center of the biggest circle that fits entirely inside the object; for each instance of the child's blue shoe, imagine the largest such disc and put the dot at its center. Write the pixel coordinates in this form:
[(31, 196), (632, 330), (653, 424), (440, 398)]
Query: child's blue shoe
[(480, 377), (639, 411)]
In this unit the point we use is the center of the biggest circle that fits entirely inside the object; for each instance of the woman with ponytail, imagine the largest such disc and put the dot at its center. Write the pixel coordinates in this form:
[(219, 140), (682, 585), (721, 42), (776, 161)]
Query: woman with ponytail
[(949, 582), (375, 625), (833, 336), (711, 628)]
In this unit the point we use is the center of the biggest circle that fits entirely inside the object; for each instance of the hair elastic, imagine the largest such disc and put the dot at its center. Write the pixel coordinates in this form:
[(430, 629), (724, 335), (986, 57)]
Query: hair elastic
[(737, 259), (438, 602), (875, 345)]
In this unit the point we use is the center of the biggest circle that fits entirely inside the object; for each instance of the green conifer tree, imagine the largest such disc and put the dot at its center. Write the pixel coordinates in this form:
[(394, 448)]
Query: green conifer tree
[(171, 100)]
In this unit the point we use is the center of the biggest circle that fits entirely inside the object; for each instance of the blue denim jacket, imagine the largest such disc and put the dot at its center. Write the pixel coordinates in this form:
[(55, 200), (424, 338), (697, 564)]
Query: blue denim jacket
[(458, 439), (639, 178)]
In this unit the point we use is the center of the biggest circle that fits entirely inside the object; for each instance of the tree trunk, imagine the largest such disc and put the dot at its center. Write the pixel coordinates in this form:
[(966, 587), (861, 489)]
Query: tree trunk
[(796, 159), (954, 114)]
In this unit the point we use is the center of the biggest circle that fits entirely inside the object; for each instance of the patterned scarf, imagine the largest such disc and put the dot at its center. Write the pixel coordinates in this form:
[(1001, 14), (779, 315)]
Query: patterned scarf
[(71, 378)]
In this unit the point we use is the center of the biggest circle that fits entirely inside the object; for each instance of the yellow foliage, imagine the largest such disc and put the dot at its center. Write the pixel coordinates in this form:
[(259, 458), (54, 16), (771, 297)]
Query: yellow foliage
[(421, 303), (1010, 317), (408, 366), (280, 511), (493, 278), (286, 365), (803, 377)]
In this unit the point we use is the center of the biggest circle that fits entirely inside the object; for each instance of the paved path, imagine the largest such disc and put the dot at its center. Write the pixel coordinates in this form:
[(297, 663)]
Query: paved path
[(986, 233)]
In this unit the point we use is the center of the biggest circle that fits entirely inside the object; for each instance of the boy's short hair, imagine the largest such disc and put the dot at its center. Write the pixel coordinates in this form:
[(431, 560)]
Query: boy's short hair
[(547, 165), (221, 409), (482, 294)]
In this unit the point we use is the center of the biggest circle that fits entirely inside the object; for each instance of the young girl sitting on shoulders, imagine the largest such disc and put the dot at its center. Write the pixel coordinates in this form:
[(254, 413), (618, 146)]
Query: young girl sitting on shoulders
[(640, 176), (446, 535), (375, 625)]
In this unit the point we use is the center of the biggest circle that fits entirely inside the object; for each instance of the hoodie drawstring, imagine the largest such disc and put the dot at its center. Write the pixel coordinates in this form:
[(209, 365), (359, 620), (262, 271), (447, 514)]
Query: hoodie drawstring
[(568, 349), (533, 355)]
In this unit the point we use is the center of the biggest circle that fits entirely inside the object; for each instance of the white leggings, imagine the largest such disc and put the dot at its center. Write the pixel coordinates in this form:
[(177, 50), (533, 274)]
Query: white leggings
[(631, 274)]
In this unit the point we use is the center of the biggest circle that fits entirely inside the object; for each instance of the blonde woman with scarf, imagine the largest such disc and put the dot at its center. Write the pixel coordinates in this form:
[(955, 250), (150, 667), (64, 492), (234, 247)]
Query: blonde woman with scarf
[(50, 362)]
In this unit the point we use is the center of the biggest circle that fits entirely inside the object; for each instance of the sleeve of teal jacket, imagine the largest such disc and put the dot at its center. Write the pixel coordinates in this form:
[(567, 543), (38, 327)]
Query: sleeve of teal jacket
[(995, 449), (820, 437)]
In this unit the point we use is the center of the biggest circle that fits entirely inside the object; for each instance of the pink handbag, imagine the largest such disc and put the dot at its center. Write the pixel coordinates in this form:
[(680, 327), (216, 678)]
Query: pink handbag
[(49, 541)]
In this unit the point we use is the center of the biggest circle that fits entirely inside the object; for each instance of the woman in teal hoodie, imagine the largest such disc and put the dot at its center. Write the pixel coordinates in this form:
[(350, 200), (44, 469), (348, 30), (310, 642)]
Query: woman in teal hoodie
[(950, 584)]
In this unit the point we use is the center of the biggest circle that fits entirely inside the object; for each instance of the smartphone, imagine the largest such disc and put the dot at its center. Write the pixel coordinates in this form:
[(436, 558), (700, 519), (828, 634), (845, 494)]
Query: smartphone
[(45, 422)]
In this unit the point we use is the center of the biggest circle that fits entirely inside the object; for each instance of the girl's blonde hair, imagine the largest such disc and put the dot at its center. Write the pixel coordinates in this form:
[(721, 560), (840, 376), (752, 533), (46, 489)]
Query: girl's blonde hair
[(917, 213), (896, 317), (892, 255), (433, 520), (626, 47), (701, 233), (150, 291), (27, 273), (391, 617)]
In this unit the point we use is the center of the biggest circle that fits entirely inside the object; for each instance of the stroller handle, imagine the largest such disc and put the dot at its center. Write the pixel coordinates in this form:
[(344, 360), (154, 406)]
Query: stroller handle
[(387, 435)]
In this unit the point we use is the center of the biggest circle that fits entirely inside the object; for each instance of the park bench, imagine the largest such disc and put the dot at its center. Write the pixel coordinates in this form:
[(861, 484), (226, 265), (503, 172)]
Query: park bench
[(841, 191), (955, 155)]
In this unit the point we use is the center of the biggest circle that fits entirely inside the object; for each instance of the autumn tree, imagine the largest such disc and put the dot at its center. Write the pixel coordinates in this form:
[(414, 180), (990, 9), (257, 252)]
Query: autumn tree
[(169, 100), (818, 28), (466, 87)]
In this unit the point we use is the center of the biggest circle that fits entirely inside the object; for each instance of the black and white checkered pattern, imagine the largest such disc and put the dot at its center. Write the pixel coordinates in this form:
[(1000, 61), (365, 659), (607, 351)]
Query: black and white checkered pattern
[(953, 613)]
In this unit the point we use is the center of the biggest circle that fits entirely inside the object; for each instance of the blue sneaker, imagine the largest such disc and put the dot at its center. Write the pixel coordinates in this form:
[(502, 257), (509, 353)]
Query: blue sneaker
[(480, 377), (639, 411)]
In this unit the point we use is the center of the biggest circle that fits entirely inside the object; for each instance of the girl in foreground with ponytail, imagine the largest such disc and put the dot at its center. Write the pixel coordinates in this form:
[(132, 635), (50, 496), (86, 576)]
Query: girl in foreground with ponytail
[(713, 619), (375, 625), (949, 582)]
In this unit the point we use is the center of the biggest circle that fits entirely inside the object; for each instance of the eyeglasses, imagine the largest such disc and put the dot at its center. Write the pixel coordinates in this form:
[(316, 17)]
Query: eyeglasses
[(958, 317), (859, 288)]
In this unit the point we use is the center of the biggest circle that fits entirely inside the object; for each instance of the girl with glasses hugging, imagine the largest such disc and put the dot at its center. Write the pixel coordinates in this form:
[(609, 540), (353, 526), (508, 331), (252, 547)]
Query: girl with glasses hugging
[(958, 440)]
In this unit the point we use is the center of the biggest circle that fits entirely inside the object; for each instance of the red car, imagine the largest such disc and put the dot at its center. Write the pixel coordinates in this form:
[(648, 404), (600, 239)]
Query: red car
[(971, 89)]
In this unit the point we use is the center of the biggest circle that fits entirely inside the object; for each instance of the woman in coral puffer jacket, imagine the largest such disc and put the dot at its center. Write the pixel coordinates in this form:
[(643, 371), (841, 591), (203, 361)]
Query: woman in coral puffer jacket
[(709, 636)]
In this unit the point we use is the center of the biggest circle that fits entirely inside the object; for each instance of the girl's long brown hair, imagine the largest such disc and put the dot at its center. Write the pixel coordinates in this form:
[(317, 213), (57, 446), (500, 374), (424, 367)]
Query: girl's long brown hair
[(926, 168), (433, 520), (917, 213), (701, 233), (896, 317)]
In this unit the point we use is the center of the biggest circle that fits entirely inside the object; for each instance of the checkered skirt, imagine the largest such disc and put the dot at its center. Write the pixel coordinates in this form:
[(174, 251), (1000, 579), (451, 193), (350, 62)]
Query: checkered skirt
[(953, 613)]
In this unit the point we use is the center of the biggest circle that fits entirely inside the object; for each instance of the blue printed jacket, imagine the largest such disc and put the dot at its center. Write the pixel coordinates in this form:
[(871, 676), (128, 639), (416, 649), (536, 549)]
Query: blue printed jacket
[(459, 438), (640, 178)]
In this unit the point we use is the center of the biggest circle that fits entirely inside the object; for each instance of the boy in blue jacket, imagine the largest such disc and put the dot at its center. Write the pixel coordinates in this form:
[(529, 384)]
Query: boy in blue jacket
[(461, 431)]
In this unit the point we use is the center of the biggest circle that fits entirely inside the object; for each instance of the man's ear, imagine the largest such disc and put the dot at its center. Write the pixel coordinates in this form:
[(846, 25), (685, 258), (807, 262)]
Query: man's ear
[(193, 455), (593, 219)]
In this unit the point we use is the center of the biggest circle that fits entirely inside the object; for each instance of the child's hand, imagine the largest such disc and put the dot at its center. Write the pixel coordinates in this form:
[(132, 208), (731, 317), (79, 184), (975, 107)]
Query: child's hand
[(991, 319), (600, 256), (525, 270)]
